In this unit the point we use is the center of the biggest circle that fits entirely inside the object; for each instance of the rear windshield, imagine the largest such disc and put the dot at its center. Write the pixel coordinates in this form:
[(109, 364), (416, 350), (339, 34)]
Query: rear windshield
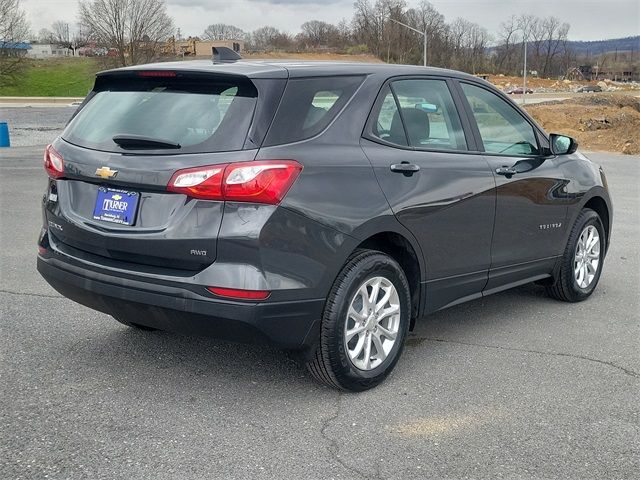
[(192, 114), (308, 107)]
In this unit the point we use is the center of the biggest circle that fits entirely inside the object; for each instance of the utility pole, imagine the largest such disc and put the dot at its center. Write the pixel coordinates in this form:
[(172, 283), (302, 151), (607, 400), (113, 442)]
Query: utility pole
[(524, 91), (424, 49), (424, 34), (524, 24)]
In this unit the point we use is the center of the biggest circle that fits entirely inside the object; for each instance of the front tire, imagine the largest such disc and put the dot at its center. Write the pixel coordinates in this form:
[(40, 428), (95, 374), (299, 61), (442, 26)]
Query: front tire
[(364, 324), (582, 261)]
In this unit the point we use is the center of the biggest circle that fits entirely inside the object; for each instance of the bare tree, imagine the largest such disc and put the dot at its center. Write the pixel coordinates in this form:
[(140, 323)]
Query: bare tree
[(369, 24), (222, 31), (555, 35), (462, 44), (14, 28), (508, 46), (529, 25), (13, 22), (345, 35), (45, 35), (262, 38), (568, 57), (427, 19), (374, 25), (137, 29), (316, 33), (270, 38), (79, 39), (547, 39), (536, 42), (61, 33), (468, 44), (62, 36)]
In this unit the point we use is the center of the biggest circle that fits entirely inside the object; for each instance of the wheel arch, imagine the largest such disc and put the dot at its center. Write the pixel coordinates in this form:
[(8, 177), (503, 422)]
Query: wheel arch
[(599, 205), (401, 249), (598, 200)]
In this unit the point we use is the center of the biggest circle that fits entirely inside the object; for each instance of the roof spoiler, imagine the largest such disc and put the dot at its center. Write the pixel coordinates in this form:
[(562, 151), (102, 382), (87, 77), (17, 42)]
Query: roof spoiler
[(224, 55)]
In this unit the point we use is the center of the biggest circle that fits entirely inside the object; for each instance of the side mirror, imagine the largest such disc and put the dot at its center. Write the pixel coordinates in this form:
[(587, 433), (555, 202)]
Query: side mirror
[(562, 145)]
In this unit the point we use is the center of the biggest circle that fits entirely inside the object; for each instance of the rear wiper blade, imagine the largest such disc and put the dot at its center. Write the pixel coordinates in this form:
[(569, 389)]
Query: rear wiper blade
[(141, 142)]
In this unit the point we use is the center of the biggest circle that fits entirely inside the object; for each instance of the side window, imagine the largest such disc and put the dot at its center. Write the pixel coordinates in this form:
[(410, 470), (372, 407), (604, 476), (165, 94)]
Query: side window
[(502, 128), (426, 112), (388, 125), (309, 105), (320, 105)]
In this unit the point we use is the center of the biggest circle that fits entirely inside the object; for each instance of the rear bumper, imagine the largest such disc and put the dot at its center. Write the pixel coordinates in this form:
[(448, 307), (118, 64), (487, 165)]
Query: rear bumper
[(293, 324)]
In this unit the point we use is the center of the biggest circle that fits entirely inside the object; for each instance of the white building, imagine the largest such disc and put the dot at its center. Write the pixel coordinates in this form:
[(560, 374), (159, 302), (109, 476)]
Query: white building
[(48, 50)]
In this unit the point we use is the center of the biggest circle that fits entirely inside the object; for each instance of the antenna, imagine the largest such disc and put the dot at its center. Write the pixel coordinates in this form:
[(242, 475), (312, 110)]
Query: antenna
[(224, 55)]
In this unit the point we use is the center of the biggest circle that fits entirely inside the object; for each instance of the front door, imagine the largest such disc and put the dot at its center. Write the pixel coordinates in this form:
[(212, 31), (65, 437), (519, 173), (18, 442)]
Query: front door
[(531, 212), (437, 186)]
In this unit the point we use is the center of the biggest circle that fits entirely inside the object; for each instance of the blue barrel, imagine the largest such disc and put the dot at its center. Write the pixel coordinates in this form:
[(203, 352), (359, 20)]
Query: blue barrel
[(4, 135)]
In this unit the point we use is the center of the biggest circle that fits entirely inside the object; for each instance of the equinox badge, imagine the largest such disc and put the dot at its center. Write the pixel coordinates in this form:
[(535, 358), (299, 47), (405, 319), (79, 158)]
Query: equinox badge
[(106, 172)]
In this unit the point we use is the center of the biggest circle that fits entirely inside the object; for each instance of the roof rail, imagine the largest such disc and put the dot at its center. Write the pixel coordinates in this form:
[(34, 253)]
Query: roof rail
[(224, 55)]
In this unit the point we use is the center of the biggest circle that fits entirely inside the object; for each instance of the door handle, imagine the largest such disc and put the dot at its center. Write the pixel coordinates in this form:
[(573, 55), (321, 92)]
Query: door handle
[(406, 168), (506, 171)]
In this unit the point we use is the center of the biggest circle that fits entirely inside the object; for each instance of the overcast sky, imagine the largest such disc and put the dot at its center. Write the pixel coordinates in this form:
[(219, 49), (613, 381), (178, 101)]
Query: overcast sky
[(589, 19)]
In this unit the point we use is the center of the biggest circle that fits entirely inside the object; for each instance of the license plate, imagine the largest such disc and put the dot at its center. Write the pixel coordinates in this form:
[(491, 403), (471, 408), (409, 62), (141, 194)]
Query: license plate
[(116, 206)]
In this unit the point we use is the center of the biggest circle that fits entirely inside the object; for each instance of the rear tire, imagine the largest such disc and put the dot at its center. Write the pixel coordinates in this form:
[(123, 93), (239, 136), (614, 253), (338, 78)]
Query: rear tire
[(364, 323), (130, 324), (582, 261)]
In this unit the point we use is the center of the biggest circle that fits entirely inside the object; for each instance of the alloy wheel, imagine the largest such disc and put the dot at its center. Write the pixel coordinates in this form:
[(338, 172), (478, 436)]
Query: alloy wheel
[(372, 323), (587, 256)]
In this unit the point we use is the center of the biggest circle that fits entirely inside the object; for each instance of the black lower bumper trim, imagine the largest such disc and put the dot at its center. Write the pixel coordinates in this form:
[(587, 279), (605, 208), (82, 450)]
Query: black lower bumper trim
[(292, 325)]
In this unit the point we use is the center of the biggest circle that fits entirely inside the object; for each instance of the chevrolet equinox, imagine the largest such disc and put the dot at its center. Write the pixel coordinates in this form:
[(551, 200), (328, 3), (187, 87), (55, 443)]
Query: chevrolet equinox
[(318, 207)]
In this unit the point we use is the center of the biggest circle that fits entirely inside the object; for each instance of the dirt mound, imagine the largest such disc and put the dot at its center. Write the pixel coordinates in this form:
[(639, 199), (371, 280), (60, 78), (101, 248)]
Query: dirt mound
[(606, 122), (613, 101), (550, 85), (504, 82)]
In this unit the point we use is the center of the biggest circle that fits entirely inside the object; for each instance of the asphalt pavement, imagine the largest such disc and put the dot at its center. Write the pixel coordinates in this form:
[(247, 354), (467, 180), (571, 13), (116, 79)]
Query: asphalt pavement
[(30, 126), (515, 385)]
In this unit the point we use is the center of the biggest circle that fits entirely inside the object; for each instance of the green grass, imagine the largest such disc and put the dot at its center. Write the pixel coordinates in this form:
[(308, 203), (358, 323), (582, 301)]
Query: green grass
[(68, 77)]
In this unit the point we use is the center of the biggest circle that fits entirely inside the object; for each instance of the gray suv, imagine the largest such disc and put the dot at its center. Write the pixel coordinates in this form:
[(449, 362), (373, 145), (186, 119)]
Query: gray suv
[(320, 207)]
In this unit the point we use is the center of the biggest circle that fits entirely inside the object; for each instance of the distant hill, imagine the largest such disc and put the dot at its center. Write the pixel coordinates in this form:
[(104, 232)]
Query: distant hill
[(597, 47), (604, 46)]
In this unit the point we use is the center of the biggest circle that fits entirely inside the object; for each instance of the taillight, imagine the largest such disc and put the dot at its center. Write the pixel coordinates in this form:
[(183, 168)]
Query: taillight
[(53, 162), (201, 182), (239, 294), (258, 182)]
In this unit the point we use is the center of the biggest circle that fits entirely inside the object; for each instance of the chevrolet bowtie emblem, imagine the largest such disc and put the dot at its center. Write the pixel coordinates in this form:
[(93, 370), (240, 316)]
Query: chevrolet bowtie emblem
[(106, 172)]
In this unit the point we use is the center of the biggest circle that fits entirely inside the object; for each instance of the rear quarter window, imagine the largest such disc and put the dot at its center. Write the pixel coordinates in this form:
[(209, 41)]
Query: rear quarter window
[(309, 105)]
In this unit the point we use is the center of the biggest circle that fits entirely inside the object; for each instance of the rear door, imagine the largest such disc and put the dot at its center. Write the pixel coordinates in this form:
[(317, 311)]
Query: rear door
[(531, 196), (436, 182), (120, 152)]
